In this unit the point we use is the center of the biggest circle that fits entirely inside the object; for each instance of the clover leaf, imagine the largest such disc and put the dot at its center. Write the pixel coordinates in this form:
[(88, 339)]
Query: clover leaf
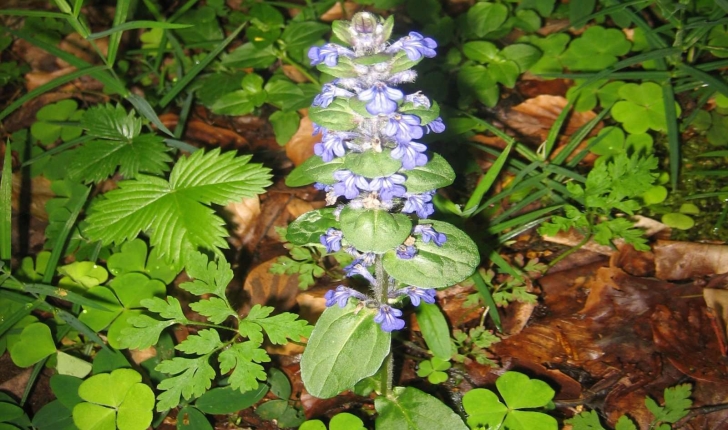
[(133, 257), (519, 392), (552, 47), (596, 49), (123, 300), (342, 421), (45, 128), (714, 124), (718, 39), (114, 400), (33, 344), (242, 101), (434, 370), (642, 108), (606, 93), (85, 274)]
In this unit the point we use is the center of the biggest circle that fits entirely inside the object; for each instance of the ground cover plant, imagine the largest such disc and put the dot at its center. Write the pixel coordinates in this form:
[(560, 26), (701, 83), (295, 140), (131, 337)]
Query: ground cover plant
[(375, 214)]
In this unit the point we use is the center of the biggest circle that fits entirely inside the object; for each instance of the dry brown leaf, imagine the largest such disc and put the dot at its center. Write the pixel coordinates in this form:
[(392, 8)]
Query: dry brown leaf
[(37, 78), (80, 48), (205, 133), (684, 260), (269, 289), (294, 74), (336, 11), (300, 147), (244, 214), (40, 191), (535, 116), (297, 207), (717, 301)]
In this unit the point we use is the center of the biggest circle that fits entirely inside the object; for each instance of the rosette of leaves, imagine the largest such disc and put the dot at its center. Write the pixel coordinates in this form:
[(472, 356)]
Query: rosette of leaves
[(238, 350), (381, 181)]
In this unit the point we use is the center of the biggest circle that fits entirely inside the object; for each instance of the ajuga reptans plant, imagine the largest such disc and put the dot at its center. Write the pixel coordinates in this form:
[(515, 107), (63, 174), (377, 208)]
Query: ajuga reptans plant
[(379, 180)]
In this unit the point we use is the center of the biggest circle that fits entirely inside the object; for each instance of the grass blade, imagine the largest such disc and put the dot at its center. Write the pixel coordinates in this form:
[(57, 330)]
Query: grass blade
[(673, 135), (715, 83), (81, 327), (10, 320), (60, 148), (32, 13), (37, 368), (135, 25), (606, 11), (548, 145), (145, 109), (487, 181), (6, 215), (55, 83), (192, 74), (60, 245), (122, 12), (63, 294), (721, 153), (523, 219), (487, 296)]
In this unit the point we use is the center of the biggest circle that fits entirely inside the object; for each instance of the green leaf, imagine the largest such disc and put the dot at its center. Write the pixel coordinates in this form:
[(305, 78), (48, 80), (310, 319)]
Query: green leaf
[(522, 54), (194, 377), (426, 115), (344, 68), (204, 342), (480, 51), (314, 169), (209, 277), (133, 258), (643, 101), (70, 365), (65, 388), (136, 411), (280, 386), (170, 309), (596, 49), (88, 416), (476, 81), (437, 173), (581, 9), (174, 213), (587, 420), (213, 86), (677, 404), (552, 47), (484, 409), (435, 266), (338, 116), (279, 328), (624, 423), (435, 330), (243, 358), (226, 400), (308, 228), (521, 392), (371, 164), (134, 25), (53, 416), (374, 230), (301, 35), (483, 18), (215, 309), (411, 409), (35, 344), (346, 421), (5, 201), (109, 389), (248, 56), (285, 125), (342, 336), (286, 95), (190, 418), (144, 333)]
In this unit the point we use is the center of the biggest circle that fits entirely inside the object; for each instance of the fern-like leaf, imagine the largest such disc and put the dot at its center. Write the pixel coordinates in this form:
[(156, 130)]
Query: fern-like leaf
[(118, 144), (174, 213)]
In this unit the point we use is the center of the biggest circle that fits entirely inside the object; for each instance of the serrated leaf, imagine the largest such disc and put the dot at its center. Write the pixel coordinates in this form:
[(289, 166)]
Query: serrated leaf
[(243, 358), (677, 403), (308, 228), (624, 423), (174, 214), (194, 378), (209, 277), (169, 309), (215, 309), (145, 332), (341, 338), (587, 420), (437, 173), (436, 266), (279, 328), (112, 123), (374, 230), (314, 169), (204, 342)]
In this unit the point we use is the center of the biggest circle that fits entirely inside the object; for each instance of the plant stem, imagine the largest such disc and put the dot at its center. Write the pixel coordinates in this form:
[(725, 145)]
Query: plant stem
[(381, 289), (578, 246)]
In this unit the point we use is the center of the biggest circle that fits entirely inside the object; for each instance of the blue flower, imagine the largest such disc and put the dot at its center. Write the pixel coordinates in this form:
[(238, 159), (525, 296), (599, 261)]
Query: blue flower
[(436, 125), (415, 46), (418, 99), (381, 98), (357, 268), (411, 154), (349, 185), (331, 240), (332, 143), (416, 294), (388, 187), (406, 252), (318, 129), (366, 258), (328, 54), (430, 234), (342, 295), (403, 128), (322, 187), (328, 93), (388, 318), (419, 204)]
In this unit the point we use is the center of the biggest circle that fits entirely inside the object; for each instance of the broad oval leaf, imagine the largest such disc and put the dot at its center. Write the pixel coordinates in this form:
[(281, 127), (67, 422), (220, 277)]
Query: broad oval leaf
[(308, 228), (436, 266), (374, 230), (226, 400), (345, 347), (190, 418), (314, 170), (344, 68), (435, 330), (437, 173), (337, 116), (412, 409), (371, 164)]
